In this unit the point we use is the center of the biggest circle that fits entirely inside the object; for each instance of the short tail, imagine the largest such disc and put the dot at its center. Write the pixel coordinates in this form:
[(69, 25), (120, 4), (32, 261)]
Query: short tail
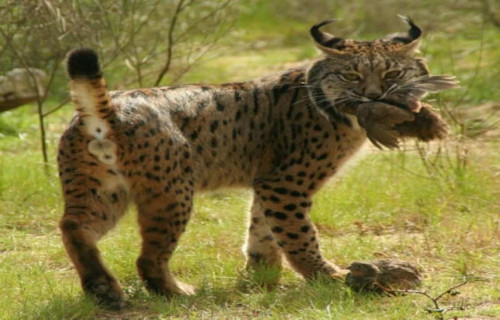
[(89, 92)]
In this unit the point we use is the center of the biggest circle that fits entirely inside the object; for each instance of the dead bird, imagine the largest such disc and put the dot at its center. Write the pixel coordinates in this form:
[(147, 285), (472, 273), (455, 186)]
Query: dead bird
[(382, 276), (403, 115)]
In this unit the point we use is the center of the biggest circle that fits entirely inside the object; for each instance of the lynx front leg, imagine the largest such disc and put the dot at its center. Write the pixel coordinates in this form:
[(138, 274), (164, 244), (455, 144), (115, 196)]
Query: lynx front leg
[(286, 211), (163, 219), (261, 246)]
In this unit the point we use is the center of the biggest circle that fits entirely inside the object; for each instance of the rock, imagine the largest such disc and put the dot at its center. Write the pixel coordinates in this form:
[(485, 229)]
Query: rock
[(20, 86)]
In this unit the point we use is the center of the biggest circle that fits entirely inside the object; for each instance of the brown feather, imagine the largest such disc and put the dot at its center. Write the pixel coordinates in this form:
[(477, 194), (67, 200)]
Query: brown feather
[(427, 125), (379, 120), (386, 124)]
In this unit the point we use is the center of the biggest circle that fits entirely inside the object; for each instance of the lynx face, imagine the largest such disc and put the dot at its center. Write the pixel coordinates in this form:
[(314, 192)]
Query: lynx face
[(368, 78), (355, 72)]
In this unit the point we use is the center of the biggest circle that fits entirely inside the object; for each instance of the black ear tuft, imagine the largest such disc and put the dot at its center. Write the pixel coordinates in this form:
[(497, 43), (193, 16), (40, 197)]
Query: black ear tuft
[(323, 38), (83, 63), (413, 34), (415, 31)]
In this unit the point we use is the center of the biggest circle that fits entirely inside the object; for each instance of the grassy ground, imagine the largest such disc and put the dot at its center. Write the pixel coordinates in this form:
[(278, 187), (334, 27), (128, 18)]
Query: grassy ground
[(441, 215)]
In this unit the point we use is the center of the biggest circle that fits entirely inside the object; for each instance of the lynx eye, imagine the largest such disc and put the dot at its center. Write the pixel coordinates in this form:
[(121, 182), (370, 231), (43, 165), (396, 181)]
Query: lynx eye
[(392, 74), (351, 76)]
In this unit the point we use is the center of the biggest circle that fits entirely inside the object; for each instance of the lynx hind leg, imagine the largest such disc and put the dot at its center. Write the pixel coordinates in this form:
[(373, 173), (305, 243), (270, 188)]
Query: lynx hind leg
[(261, 247), (162, 222), (94, 202), (286, 211), (164, 210)]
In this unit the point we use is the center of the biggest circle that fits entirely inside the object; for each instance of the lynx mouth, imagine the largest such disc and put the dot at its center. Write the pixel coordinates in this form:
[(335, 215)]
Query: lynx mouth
[(393, 103)]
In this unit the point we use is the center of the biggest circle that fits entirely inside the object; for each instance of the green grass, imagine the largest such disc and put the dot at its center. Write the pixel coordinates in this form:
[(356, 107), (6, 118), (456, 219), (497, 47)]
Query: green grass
[(386, 205), (447, 231)]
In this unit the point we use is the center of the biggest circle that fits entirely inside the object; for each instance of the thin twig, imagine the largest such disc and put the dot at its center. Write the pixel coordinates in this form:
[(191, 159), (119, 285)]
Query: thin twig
[(450, 290), (23, 61), (188, 30), (170, 43), (59, 106), (437, 308)]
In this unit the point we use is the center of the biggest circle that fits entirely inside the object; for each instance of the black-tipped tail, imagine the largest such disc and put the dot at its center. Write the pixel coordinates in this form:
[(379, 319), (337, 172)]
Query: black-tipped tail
[(83, 63)]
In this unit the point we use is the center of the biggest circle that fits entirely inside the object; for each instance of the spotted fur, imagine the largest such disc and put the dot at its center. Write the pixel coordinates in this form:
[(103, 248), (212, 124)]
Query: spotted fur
[(283, 136)]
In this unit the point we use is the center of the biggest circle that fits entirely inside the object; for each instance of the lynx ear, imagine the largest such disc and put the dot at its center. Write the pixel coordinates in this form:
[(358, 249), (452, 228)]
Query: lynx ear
[(326, 42), (411, 40)]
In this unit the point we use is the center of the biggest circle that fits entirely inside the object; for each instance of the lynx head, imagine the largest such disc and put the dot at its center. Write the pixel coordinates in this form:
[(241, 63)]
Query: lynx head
[(353, 72)]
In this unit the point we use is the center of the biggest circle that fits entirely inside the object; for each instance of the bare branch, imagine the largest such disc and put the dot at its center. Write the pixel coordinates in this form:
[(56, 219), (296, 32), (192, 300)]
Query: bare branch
[(490, 13), (203, 19), (170, 43), (59, 106), (129, 29), (437, 308)]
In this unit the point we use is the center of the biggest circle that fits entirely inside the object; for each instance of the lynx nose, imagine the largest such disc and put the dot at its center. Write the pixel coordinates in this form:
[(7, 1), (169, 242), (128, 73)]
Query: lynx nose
[(373, 93), (373, 90)]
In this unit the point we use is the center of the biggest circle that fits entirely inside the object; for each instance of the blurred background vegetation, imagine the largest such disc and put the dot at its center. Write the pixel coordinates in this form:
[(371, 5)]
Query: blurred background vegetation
[(435, 205), (151, 42), (136, 37)]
